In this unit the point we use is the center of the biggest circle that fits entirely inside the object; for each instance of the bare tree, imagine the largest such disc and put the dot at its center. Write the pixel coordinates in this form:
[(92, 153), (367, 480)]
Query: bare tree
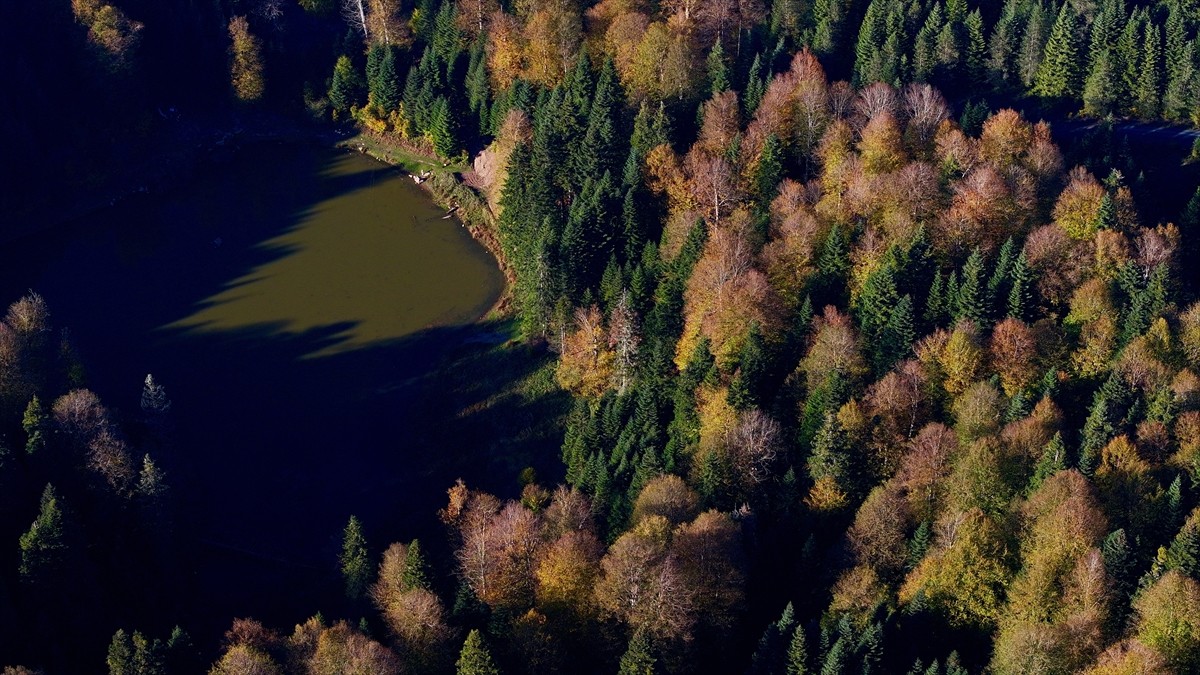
[(355, 14)]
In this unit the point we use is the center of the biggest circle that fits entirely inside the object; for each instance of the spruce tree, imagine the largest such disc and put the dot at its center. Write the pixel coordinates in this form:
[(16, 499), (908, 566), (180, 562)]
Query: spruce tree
[(475, 659), (868, 52), (44, 547), (797, 653), (1120, 564), (347, 86), (1100, 91), (35, 424), (898, 334), (976, 49), (638, 658), (416, 571), (387, 85), (969, 300), (756, 86), (717, 69), (769, 172), (1148, 95), (925, 52), (355, 561), (441, 129), (1019, 295), (998, 280), (935, 303), (120, 654), (1053, 460), (1060, 73)]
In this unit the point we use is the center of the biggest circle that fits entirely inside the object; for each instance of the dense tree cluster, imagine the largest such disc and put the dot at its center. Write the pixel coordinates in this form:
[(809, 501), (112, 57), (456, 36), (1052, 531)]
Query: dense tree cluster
[(858, 384)]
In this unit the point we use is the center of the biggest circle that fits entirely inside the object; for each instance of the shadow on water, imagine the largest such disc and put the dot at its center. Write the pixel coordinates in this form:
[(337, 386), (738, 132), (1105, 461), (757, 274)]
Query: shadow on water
[(310, 314)]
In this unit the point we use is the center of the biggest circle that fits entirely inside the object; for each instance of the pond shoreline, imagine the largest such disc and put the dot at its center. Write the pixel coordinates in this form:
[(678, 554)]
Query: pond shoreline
[(188, 147)]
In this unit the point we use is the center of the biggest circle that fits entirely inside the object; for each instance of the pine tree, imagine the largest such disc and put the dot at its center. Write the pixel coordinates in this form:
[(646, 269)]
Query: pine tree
[(475, 659), (756, 86), (797, 653), (898, 335), (154, 397), (35, 424), (148, 655), (416, 570), (868, 52), (1004, 45), (347, 87), (919, 544), (718, 69), (925, 56), (638, 658), (1053, 460), (1100, 92), (873, 310), (831, 455), (1106, 217), (1019, 295), (1060, 72), (935, 303), (1033, 43), (747, 388), (386, 89), (355, 561), (43, 547), (969, 301), (827, 17), (1004, 263), (441, 129), (120, 654), (1148, 95), (976, 49), (769, 172), (836, 659)]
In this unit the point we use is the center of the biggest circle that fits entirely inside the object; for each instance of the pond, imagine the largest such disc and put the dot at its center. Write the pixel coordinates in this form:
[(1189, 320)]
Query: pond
[(288, 300)]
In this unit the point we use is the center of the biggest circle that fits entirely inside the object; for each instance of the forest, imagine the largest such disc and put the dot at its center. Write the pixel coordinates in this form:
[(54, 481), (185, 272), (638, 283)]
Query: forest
[(872, 368)]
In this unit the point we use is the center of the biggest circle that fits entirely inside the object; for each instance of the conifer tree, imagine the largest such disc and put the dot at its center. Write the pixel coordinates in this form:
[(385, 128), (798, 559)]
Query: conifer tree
[(797, 654), (355, 561), (868, 52), (925, 51), (717, 69), (442, 129), (638, 658), (976, 49), (769, 171), (1060, 72), (747, 388), (997, 282), (35, 424), (416, 570), (935, 303), (1148, 95), (387, 82), (969, 301), (1053, 460), (756, 86), (44, 547), (898, 334), (120, 654), (347, 86), (475, 659), (1100, 91), (1033, 43), (1019, 295)]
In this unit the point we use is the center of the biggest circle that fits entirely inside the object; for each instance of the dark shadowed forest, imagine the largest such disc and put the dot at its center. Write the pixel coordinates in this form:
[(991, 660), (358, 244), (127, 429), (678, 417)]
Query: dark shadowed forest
[(839, 337)]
